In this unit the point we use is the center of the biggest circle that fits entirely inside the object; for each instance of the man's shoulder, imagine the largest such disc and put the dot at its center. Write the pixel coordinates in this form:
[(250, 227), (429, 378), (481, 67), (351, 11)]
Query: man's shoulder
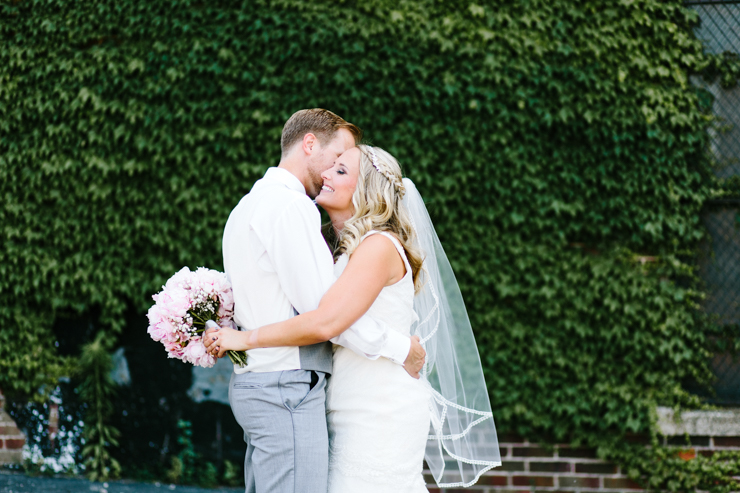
[(276, 198), (267, 207)]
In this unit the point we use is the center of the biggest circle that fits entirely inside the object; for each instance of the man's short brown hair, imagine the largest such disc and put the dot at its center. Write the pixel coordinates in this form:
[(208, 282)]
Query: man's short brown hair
[(322, 123)]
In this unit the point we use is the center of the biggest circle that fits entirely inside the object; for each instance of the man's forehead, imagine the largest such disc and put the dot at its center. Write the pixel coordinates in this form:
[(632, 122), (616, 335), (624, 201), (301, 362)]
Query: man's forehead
[(344, 138)]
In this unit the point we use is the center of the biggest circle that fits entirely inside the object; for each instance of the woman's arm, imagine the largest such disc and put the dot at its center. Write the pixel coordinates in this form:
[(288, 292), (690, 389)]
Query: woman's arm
[(372, 266)]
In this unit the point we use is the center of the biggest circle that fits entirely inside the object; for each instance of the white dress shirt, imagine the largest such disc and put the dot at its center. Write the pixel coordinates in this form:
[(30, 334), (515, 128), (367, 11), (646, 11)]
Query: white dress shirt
[(276, 259)]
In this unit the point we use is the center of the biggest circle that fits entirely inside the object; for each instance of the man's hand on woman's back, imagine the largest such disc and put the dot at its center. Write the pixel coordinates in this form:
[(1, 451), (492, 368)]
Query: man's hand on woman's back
[(415, 360)]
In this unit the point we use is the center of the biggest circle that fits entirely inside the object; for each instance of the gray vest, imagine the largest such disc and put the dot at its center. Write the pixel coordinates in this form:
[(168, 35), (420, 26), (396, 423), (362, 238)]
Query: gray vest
[(316, 357)]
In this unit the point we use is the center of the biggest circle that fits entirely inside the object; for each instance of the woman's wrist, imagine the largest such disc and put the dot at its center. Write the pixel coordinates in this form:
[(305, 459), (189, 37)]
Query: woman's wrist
[(252, 341)]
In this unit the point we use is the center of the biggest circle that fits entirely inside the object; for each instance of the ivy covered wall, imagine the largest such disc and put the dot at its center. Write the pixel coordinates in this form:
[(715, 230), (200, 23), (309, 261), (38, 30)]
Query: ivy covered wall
[(558, 143)]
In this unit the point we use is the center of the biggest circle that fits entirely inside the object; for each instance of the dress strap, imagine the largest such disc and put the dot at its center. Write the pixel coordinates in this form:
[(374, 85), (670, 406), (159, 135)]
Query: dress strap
[(396, 243)]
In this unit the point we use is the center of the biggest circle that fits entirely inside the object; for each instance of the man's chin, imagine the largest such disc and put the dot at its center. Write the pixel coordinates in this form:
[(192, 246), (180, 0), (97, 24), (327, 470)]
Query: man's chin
[(315, 191)]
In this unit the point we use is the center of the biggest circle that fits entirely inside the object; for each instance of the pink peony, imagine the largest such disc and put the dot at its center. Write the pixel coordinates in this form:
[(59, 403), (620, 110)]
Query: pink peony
[(177, 317), (159, 331), (195, 353), (174, 350), (181, 277), (174, 302)]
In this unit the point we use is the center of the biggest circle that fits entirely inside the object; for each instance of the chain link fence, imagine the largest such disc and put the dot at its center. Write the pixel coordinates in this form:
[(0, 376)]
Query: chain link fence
[(720, 270), (719, 266)]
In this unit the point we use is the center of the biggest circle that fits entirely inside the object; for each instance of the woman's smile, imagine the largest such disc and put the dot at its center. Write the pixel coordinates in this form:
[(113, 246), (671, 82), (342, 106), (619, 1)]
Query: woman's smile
[(339, 184)]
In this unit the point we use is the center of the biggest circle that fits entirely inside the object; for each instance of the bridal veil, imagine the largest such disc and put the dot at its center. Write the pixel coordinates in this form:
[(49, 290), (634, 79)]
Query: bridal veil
[(463, 444)]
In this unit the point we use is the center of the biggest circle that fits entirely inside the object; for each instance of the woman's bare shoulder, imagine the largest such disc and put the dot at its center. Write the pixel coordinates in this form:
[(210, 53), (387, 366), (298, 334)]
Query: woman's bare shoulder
[(378, 243), (378, 251)]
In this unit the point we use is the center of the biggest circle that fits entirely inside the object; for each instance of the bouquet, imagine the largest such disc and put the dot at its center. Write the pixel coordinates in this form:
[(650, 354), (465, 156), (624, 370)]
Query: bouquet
[(181, 310)]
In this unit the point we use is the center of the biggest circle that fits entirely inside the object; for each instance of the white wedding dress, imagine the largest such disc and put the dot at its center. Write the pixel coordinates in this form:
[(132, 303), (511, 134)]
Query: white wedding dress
[(378, 415)]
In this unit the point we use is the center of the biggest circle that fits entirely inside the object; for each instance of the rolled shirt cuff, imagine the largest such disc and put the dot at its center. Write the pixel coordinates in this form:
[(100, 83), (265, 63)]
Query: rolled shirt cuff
[(396, 347)]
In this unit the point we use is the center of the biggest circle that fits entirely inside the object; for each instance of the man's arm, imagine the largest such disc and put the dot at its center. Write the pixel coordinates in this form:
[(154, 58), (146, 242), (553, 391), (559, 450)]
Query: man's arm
[(372, 339), (346, 301), (305, 268)]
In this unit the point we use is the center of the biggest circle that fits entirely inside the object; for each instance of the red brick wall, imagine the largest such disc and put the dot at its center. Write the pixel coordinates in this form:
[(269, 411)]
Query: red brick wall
[(527, 466), (11, 439)]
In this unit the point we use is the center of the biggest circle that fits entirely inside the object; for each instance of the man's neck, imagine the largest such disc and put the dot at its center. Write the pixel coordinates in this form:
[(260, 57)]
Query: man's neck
[(296, 168)]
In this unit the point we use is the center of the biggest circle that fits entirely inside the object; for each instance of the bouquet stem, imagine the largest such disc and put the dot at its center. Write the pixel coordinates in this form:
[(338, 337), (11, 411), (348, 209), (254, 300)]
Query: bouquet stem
[(238, 358)]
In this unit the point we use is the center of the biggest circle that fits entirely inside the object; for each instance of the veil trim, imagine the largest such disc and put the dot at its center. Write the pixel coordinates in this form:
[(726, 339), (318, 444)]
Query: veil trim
[(455, 328)]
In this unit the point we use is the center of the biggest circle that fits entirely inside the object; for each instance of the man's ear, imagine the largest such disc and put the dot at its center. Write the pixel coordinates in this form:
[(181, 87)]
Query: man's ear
[(309, 143)]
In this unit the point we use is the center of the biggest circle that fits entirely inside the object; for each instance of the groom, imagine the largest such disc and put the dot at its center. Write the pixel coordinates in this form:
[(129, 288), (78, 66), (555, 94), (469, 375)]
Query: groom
[(279, 265)]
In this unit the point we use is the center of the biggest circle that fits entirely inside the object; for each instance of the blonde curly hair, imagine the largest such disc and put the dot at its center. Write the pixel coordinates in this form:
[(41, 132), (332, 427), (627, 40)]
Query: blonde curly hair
[(378, 206)]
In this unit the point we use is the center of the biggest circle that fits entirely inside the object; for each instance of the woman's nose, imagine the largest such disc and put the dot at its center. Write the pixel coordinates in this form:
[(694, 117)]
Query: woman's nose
[(325, 175)]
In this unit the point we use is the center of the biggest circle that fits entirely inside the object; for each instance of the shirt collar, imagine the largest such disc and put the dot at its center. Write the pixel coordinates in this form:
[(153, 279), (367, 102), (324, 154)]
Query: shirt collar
[(285, 177)]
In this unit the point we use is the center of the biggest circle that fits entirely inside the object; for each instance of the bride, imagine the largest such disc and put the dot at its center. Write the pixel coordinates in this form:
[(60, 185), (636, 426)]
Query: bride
[(390, 264)]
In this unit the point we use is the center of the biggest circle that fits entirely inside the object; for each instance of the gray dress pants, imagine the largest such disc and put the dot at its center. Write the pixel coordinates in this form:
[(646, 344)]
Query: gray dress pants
[(283, 415)]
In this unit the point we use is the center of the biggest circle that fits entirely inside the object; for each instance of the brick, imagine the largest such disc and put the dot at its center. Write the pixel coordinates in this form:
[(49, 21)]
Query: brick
[(578, 482), (614, 483), (596, 468), (706, 453), (695, 441), (686, 454), (2, 444), (577, 453), (510, 438), (494, 480), (11, 456), (549, 466), (541, 481), (510, 466), (9, 430), (533, 452), (727, 441), (638, 439), (14, 443)]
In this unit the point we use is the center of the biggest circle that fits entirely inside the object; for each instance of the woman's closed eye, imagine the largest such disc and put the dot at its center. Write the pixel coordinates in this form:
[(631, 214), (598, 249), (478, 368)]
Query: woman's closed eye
[(341, 172)]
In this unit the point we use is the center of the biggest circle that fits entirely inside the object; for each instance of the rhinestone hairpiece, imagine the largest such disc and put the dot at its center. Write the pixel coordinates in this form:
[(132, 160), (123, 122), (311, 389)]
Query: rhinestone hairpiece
[(399, 186), (375, 160)]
